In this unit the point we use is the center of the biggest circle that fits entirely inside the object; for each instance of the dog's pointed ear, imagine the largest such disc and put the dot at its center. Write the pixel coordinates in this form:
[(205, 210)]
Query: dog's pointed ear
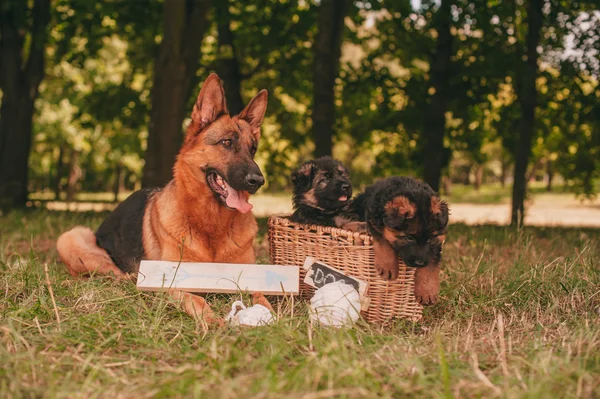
[(302, 177), (209, 105), (254, 113), (440, 211)]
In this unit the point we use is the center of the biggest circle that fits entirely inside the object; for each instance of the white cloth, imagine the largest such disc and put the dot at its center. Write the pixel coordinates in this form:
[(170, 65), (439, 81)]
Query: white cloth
[(335, 304), (257, 315)]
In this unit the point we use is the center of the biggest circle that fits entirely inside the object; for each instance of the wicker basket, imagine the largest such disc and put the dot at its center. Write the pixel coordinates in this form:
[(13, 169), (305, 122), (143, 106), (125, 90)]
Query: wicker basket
[(352, 253)]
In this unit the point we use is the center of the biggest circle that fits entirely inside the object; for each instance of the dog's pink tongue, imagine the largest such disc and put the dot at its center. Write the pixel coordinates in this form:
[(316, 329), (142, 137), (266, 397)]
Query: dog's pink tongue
[(237, 200)]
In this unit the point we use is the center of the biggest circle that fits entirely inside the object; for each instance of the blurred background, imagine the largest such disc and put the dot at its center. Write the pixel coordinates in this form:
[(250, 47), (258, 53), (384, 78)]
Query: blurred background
[(495, 103)]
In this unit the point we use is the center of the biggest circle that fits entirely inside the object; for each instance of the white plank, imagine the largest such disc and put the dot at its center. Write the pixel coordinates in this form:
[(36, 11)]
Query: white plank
[(218, 277)]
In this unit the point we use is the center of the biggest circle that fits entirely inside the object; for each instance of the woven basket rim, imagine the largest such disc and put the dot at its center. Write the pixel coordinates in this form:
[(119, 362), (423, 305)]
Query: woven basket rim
[(282, 219)]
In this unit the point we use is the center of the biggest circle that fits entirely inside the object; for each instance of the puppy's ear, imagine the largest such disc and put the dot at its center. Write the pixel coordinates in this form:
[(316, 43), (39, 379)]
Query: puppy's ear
[(209, 105), (302, 177), (440, 211), (400, 207), (254, 113)]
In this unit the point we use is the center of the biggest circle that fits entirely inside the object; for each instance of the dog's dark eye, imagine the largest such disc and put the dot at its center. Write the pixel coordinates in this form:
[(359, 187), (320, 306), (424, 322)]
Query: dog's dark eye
[(410, 239), (253, 150), (433, 237), (227, 142)]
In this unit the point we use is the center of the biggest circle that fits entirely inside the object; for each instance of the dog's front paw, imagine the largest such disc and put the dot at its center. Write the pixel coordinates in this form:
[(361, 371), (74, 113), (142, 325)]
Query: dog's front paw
[(387, 270), (386, 260), (427, 300), (427, 285), (357, 227)]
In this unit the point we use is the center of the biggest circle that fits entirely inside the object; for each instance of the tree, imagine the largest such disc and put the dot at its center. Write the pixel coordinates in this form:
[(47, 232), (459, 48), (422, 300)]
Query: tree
[(23, 35), (440, 70), (184, 23), (227, 64), (526, 95), (327, 51)]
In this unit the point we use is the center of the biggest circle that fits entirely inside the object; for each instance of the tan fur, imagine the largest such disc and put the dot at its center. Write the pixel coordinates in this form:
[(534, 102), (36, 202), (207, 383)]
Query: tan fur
[(386, 260), (259, 299), (391, 235), (209, 231), (427, 284), (310, 198), (78, 250), (306, 169), (196, 307), (436, 205), (351, 225), (402, 206), (185, 221)]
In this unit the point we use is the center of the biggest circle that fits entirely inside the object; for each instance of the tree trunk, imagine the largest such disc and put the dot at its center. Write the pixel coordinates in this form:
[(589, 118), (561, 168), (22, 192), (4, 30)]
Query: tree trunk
[(550, 175), (184, 24), (526, 93), (74, 176), (435, 124), (447, 184), (478, 177), (327, 52), (19, 81), (117, 183), (228, 67), (60, 165), (503, 173)]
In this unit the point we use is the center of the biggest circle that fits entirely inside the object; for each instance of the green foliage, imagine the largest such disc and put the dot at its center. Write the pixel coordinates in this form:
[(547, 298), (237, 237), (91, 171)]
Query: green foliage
[(95, 99)]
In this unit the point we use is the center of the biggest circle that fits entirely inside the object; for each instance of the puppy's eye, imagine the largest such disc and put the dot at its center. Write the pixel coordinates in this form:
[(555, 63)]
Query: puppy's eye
[(433, 237), (409, 239), (227, 142), (253, 150)]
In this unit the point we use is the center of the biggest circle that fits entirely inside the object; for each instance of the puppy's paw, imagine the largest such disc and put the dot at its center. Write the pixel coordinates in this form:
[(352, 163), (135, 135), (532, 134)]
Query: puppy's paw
[(427, 300), (357, 227), (387, 270), (427, 285), (386, 260)]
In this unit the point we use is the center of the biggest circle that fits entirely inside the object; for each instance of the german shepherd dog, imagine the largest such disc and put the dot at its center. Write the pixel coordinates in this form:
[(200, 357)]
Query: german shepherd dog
[(202, 215), (322, 193), (407, 219)]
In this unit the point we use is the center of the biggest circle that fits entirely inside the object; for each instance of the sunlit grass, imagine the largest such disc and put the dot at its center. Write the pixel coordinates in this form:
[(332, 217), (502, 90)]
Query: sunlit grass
[(518, 319)]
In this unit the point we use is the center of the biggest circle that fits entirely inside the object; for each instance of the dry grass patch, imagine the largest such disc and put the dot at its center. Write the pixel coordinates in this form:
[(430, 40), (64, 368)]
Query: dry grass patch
[(519, 318)]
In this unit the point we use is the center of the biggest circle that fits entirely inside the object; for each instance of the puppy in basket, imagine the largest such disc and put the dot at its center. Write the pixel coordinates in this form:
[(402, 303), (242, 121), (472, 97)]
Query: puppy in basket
[(407, 219), (323, 194)]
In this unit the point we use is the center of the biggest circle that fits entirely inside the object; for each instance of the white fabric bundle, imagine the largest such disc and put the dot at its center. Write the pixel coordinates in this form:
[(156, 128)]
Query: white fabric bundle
[(335, 304), (257, 315)]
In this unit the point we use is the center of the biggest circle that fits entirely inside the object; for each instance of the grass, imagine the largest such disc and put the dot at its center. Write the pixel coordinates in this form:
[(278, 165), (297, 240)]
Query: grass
[(519, 318), (496, 194)]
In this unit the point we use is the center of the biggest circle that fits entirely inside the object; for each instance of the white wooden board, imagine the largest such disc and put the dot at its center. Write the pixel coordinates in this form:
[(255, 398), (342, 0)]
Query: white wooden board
[(218, 277)]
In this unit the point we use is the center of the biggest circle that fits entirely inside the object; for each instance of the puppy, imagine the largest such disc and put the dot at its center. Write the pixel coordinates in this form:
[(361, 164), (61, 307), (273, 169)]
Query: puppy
[(407, 219), (322, 193)]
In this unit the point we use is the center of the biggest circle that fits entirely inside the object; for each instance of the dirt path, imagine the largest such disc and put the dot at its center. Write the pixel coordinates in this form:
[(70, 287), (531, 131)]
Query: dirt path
[(544, 210)]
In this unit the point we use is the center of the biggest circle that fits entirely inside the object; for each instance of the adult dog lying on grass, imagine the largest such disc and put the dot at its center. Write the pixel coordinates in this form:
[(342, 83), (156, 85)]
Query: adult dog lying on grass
[(202, 215)]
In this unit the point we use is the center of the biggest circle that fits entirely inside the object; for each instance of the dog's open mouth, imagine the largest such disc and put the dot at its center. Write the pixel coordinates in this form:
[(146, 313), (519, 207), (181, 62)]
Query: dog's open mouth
[(231, 197), (343, 198)]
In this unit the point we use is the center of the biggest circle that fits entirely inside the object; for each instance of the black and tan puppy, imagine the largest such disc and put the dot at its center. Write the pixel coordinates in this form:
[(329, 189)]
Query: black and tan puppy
[(407, 219), (322, 193)]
